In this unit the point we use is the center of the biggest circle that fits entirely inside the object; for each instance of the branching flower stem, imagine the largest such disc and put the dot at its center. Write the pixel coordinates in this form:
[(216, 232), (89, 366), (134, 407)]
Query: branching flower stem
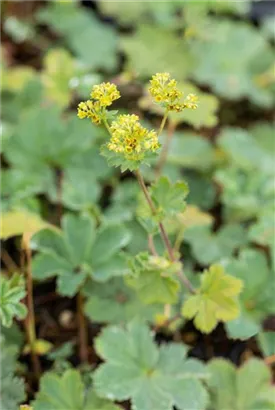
[(163, 232)]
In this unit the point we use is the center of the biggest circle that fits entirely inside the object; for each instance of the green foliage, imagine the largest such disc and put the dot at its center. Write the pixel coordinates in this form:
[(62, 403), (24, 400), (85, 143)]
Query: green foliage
[(12, 387), (153, 378), (52, 166), (220, 244), (161, 51), (115, 302), (188, 149), (257, 297), (248, 151), (215, 300), (68, 392), (118, 160), (169, 198), (154, 273), (82, 31), (245, 194), (12, 291), (219, 63), (246, 388), (266, 341), (79, 251)]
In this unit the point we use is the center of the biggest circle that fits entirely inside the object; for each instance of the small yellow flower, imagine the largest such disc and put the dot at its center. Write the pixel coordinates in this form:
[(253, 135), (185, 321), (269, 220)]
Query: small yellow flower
[(105, 93), (90, 109), (131, 139), (164, 90)]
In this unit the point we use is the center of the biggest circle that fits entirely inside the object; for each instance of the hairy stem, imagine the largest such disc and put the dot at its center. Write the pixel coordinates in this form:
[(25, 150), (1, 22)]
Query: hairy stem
[(163, 232), (82, 329), (165, 149), (30, 319)]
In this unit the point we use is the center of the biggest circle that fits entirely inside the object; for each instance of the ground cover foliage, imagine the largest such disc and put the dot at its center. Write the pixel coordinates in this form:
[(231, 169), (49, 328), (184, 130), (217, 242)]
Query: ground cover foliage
[(109, 300)]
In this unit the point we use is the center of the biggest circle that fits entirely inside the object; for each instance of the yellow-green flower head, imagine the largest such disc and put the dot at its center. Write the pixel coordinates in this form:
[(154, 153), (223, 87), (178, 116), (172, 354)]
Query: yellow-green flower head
[(90, 109), (131, 139), (164, 90), (105, 93)]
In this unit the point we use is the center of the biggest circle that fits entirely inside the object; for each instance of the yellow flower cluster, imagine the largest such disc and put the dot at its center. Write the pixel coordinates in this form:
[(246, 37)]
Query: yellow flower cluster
[(105, 93), (164, 90), (90, 109), (102, 96), (130, 138)]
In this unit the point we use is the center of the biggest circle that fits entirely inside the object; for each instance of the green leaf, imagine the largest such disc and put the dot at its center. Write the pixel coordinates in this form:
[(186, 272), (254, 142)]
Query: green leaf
[(153, 378), (114, 302), (220, 66), (262, 232), (17, 188), (246, 151), (209, 247), (20, 222), (167, 197), (257, 297), (67, 392), (187, 151), (79, 251), (215, 300), (109, 240), (239, 388), (161, 51), (12, 388), (59, 68), (115, 266), (245, 193), (93, 402), (157, 273), (266, 340), (118, 160), (79, 235), (80, 189), (82, 32), (12, 291)]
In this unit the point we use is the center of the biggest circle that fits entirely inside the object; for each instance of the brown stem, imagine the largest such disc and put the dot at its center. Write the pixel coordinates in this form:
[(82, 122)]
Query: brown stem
[(82, 329), (151, 245), (163, 233), (30, 319), (165, 149)]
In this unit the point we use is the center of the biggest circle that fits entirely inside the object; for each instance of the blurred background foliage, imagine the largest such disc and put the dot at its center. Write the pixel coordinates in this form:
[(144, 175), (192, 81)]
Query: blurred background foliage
[(53, 52)]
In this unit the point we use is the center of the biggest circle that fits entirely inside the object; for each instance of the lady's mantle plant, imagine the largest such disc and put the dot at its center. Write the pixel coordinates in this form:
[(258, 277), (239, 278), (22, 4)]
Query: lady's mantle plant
[(130, 146)]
